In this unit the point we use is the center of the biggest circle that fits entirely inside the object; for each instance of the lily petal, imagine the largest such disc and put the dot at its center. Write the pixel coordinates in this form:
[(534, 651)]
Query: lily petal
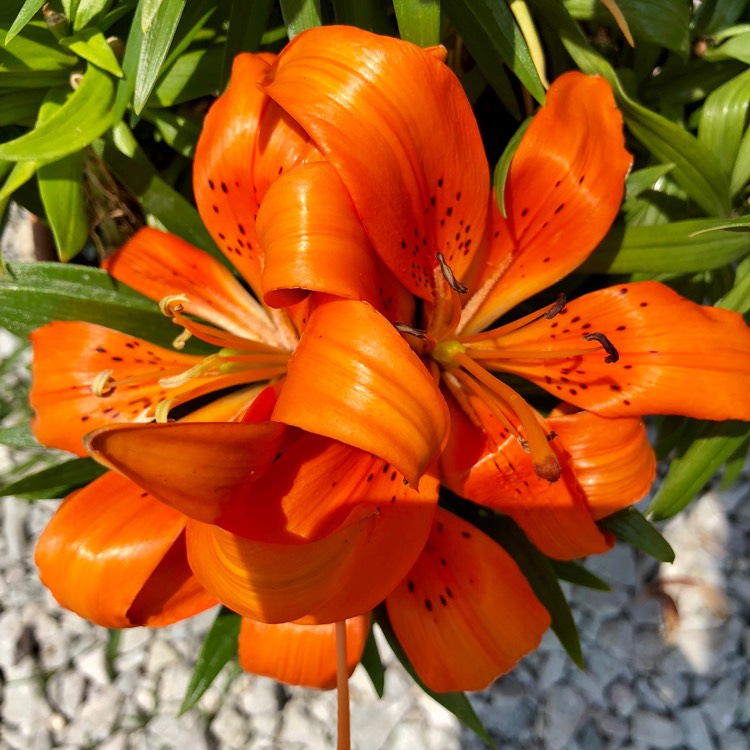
[(300, 654), (158, 264), (66, 407), (613, 462), (116, 556), (197, 468), (313, 239), (464, 614), (562, 193), (243, 126), (337, 576), (387, 113), (353, 378), (555, 516), (675, 357)]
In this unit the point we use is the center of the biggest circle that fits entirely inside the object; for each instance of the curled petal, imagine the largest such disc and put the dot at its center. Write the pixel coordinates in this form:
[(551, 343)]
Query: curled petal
[(245, 138), (114, 555), (158, 264), (67, 407), (464, 614), (395, 123), (675, 357), (331, 578), (613, 462), (562, 194), (300, 654), (353, 378), (200, 469), (313, 239), (501, 476)]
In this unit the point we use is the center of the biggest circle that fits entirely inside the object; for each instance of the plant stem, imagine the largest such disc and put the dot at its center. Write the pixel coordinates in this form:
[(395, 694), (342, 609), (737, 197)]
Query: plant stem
[(342, 688)]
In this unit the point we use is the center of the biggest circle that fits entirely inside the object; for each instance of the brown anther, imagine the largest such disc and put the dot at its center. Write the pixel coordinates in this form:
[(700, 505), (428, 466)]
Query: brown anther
[(612, 354), (454, 283), (549, 469), (562, 300), (411, 330), (551, 436)]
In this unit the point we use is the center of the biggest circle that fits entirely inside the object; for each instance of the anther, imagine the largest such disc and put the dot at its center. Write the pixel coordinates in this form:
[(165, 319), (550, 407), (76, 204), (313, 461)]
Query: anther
[(103, 384), (411, 330), (161, 414), (454, 283), (172, 304), (181, 340), (562, 300), (612, 354)]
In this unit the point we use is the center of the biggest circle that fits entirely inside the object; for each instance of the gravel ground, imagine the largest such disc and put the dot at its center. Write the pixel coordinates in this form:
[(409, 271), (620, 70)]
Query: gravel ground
[(667, 664)]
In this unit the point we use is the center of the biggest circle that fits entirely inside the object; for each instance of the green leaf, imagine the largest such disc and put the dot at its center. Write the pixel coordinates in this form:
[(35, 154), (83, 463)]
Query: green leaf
[(192, 76), (492, 34), (575, 573), (33, 59), (723, 118), (247, 21), (179, 132), (300, 15), (457, 703), (736, 48), (20, 107), (643, 179), (689, 473), (373, 664), (741, 170), (364, 14), (70, 474), (131, 166), (219, 647), (503, 164), (111, 651), (695, 168), (541, 576), (83, 118), (679, 247), (738, 297), (18, 436), (88, 10), (27, 12), (740, 224), (157, 38), (91, 45), (21, 173), (150, 9), (735, 465), (37, 293), (630, 526), (418, 21)]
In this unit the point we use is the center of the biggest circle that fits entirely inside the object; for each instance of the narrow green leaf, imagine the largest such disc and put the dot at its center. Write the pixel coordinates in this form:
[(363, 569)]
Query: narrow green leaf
[(27, 12), (373, 664), (575, 573), (695, 168), (73, 473), (150, 9), (364, 14), (91, 45), (33, 59), (738, 297), (689, 473), (219, 647), (247, 21), (457, 703), (740, 224), (630, 526), (111, 651), (131, 166), (643, 179), (492, 34), (83, 118), (18, 436), (21, 173), (541, 576), (723, 118), (679, 247), (418, 21), (20, 107), (193, 19), (40, 292), (154, 48), (300, 15), (736, 48), (741, 169), (61, 191), (191, 76), (735, 465), (179, 132), (503, 164), (88, 10)]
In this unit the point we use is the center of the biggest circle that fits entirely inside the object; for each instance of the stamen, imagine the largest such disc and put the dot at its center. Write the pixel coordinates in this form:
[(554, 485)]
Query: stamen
[(612, 354), (172, 304), (182, 339), (497, 354), (204, 367), (455, 284), (544, 459), (161, 414), (103, 384), (411, 330), (495, 333)]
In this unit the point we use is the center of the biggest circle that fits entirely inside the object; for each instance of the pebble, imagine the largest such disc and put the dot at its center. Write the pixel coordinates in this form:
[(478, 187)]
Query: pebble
[(695, 731)]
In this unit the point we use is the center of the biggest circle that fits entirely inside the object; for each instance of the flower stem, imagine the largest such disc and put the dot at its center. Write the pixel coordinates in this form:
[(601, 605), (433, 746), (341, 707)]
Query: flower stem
[(342, 688)]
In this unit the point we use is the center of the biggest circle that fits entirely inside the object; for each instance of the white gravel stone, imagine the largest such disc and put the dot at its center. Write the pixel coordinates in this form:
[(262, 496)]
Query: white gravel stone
[(96, 717), (623, 699), (188, 731), (553, 670), (720, 704), (564, 711), (734, 739), (66, 690), (91, 664), (229, 728), (652, 730), (172, 686), (160, 655), (25, 707), (616, 636), (617, 566)]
